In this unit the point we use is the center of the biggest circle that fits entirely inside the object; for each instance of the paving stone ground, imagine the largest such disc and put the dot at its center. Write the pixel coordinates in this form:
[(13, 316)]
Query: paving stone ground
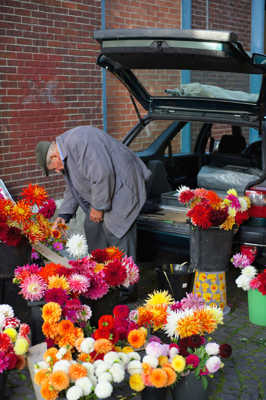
[(244, 374)]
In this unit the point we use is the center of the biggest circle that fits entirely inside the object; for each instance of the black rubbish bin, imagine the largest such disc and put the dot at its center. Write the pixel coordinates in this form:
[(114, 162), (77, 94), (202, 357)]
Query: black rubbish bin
[(177, 283)]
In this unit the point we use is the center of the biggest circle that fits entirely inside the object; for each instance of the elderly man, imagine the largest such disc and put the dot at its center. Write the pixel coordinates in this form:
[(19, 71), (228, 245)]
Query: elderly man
[(105, 178)]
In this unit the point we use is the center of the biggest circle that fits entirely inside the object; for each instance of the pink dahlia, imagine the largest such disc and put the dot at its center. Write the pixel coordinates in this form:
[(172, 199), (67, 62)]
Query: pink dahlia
[(98, 287), (33, 288), (26, 270), (85, 313), (78, 283), (234, 201), (191, 301), (132, 271), (240, 260)]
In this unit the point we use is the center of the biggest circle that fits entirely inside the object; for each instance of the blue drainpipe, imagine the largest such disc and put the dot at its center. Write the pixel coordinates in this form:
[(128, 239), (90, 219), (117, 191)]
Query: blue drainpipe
[(104, 100), (185, 74), (257, 46)]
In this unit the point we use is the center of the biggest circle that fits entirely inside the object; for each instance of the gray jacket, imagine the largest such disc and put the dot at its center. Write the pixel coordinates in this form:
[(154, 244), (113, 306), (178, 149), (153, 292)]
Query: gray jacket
[(106, 174)]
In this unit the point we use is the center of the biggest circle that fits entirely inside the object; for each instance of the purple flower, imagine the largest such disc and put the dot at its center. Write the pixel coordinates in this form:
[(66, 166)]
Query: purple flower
[(240, 260), (58, 246)]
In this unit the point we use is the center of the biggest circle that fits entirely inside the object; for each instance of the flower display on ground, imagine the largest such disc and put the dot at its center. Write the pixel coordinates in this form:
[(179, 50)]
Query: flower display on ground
[(250, 277), (14, 340), (207, 209), (92, 277), (29, 218)]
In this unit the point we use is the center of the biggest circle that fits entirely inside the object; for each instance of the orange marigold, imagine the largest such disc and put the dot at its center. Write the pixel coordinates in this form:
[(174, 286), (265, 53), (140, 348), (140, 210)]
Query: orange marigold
[(59, 380), (158, 378), (51, 312), (77, 371), (103, 346), (41, 375), (136, 338)]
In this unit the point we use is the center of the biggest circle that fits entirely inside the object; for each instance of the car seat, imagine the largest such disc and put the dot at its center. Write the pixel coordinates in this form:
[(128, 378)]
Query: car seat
[(158, 182)]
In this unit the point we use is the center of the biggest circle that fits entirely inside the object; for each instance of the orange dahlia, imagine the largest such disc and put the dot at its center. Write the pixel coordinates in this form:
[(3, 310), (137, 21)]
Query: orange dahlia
[(158, 378), (48, 270), (51, 312), (49, 329), (189, 325), (144, 316), (66, 327), (47, 391), (207, 320), (58, 282), (171, 375), (59, 380), (136, 338), (21, 212), (41, 375), (51, 352), (114, 252), (77, 371), (103, 346)]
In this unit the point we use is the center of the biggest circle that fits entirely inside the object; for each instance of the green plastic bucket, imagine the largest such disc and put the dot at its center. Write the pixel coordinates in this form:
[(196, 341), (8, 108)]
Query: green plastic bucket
[(257, 307)]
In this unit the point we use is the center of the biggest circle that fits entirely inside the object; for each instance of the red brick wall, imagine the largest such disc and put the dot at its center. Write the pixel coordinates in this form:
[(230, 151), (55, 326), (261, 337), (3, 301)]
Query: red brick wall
[(121, 116), (49, 81)]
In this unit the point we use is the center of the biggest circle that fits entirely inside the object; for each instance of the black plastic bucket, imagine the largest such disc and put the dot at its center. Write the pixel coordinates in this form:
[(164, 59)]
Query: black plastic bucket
[(177, 283), (210, 249)]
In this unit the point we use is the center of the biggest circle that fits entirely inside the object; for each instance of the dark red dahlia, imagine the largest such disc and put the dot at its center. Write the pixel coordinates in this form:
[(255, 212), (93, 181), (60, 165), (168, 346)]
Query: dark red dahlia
[(56, 295), (99, 255), (194, 341), (121, 311), (115, 273), (225, 350), (217, 217), (48, 209)]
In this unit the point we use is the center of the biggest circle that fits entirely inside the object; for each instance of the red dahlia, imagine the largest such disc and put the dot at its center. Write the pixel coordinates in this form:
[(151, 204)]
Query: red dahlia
[(115, 273)]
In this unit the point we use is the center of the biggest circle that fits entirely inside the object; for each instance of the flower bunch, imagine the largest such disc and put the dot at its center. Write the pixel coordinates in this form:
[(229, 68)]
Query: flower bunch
[(249, 278), (91, 277), (207, 209), (14, 340), (92, 373), (115, 327), (28, 217)]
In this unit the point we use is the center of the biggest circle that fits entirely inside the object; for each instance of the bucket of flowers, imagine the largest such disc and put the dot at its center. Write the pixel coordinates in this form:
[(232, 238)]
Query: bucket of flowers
[(14, 343), (88, 279), (185, 349), (213, 220), (254, 282)]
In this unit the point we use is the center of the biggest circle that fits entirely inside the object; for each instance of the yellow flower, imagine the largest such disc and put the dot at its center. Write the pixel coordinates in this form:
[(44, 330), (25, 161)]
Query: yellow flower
[(127, 349), (217, 314), (118, 348), (212, 277), (232, 191), (159, 297), (217, 297), (98, 267), (228, 224), (12, 333), (136, 382), (207, 297), (163, 360), (221, 277), (178, 363), (202, 277), (58, 282), (21, 346)]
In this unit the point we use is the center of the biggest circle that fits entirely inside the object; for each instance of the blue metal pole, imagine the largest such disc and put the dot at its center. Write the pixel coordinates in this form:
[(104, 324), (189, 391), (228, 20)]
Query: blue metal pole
[(185, 74), (104, 99), (257, 46)]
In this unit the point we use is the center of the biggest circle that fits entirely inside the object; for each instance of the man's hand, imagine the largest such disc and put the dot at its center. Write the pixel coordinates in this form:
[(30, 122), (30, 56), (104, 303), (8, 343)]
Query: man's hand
[(96, 215)]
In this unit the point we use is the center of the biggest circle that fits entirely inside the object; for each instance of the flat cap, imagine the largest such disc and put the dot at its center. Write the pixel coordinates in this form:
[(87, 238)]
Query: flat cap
[(41, 154)]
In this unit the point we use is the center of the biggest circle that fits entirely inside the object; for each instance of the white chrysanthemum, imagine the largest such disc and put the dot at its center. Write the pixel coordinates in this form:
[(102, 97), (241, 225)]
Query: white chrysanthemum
[(134, 367), (41, 365), (85, 384), (249, 271), (101, 368), (87, 345), (111, 357), (151, 360), (89, 367), (105, 376), (74, 393), (181, 189), (61, 352), (117, 372), (212, 349), (62, 365), (243, 282), (103, 389), (6, 310), (171, 324), (134, 356), (76, 246), (124, 358), (243, 204)]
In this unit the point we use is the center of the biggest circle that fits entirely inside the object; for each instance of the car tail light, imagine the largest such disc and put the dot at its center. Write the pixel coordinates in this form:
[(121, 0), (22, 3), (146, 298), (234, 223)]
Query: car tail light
[(257, 195)]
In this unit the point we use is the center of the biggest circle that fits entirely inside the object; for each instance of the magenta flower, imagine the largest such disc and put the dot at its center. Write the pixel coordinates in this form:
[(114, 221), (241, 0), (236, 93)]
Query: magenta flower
[(240, 260), (192, 359), (58, 246), (33, 288)]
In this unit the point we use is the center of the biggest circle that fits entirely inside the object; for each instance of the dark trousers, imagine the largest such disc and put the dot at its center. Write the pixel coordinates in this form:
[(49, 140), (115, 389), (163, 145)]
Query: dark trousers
[(99, 237)]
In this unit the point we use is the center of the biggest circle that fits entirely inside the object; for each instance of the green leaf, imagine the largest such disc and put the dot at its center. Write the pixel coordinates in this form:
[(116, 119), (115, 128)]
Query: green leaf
[(204, 382)]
